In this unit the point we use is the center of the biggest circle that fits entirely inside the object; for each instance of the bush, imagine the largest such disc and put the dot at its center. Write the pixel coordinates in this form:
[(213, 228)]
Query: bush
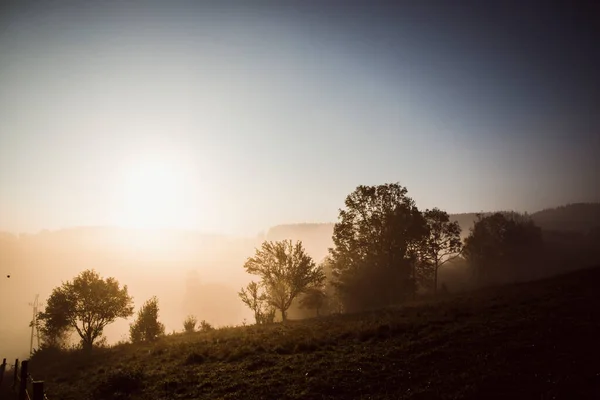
[(146, 327), (205, 326), (189, 324)]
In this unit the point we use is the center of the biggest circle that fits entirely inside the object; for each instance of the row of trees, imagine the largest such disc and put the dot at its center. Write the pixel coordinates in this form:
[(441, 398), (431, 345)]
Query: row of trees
[(385, 251)]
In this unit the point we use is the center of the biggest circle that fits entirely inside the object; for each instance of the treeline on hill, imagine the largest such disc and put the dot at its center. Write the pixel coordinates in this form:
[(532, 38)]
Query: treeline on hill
[(386, 251)]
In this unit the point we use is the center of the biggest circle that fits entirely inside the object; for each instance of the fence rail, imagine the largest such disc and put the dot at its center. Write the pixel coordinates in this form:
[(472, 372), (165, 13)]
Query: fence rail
[(23, 384)]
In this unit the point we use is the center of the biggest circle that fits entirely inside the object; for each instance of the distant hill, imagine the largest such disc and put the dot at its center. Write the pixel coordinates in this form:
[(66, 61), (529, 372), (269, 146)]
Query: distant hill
[(580, 217), (577, 217)]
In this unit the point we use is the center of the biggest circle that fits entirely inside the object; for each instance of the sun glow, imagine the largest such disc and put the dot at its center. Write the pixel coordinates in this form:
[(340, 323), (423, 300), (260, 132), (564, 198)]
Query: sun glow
[(153, 195)]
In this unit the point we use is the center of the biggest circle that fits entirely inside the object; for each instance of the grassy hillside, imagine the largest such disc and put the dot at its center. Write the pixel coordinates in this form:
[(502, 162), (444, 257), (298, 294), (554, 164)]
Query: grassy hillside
[(532, 340)]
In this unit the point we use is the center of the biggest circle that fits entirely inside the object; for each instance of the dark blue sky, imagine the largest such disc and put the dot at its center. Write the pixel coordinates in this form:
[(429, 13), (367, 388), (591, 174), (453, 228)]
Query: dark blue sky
[(476, 105)]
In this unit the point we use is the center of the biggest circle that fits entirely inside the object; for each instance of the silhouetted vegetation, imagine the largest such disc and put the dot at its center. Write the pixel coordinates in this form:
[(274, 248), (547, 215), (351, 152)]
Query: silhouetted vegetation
[(285, 271), (54, 332), (205, 326), (386, 251), (314, 299), (86, 305), (189, 324), (442, 241), (503, 247), (147, 327), (387, 256), (376, 243), (255, 298)]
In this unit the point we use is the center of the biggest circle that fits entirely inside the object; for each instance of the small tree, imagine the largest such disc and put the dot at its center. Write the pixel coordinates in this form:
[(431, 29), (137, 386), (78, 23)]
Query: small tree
[(286, 271), (256, 300), (314, 299), (146, 327), (205, 326), (86, 305), (189, 324), (333, 303), (442, 241)]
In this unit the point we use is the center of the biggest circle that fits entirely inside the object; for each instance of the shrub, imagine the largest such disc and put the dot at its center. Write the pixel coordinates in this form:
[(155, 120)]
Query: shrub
[(205, 326), (189, 324), (146, 327)]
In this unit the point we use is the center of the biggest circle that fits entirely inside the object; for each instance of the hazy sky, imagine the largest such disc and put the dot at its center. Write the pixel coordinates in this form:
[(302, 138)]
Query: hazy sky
[(234, 118)]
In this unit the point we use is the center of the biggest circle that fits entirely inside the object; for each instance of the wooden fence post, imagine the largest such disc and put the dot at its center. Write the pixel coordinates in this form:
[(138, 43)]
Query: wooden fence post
[(16, 373), (23, 380), (2, 369), (38, 390)]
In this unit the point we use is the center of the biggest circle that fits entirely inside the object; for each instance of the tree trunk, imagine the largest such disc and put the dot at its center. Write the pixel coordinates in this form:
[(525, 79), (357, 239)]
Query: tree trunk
[(87, 345), (414, 280), (283, 315), (435, 279)]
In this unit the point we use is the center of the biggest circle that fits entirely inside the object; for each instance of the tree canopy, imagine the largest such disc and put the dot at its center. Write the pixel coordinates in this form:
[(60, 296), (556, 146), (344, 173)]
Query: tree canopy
[(86, 305), (503, 247), (314, 299), (376, 243), (285, 271)]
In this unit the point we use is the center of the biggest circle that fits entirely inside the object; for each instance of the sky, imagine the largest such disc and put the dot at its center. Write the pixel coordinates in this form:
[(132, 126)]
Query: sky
[(230, 117)]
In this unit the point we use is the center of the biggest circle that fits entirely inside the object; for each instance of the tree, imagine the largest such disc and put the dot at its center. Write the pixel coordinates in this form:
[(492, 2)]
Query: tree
[(189, 324), (442, 241), (376, 241), (503, 247), (256, 300), (314, 299), (87, 305), (146, 327), (285, 270), (205, 326), (333, 303)]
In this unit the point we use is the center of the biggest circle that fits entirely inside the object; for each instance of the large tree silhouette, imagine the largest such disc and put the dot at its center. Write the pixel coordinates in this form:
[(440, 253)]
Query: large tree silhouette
[(376, 245)]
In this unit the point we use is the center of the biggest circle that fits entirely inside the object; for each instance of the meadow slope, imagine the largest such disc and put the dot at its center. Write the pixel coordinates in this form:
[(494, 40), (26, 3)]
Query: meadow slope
[(530, 340)]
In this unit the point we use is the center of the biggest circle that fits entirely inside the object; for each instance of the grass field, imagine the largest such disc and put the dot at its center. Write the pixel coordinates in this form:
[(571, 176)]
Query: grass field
[(538, 340)]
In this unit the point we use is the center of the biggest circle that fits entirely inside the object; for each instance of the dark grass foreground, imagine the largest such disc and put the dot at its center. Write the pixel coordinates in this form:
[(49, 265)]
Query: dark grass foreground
[(537, 340)]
